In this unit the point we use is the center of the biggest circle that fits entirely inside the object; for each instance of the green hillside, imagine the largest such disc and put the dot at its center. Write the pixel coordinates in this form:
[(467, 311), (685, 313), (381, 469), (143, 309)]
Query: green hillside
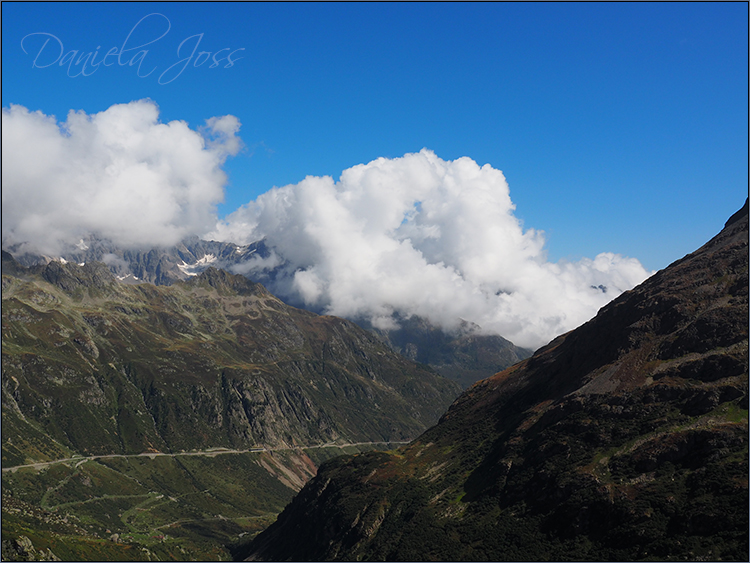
[(94, 367)]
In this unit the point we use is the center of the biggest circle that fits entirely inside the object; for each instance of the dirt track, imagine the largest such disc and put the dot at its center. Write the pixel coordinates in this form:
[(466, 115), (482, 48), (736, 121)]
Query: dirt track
[(212, 452)]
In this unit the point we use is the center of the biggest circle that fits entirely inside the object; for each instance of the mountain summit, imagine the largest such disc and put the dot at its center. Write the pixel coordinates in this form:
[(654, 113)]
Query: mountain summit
[(625, 439)]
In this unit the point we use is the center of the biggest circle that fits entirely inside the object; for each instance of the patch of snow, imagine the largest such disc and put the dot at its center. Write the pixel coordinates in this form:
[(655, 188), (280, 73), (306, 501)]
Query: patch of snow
[(244, 249), (198, 266), (206, 260), (185, 269), (82, 245)]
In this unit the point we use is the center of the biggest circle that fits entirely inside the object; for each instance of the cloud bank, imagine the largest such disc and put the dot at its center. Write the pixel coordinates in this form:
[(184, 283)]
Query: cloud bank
[(415, 235), (120, 174), (418, 235)]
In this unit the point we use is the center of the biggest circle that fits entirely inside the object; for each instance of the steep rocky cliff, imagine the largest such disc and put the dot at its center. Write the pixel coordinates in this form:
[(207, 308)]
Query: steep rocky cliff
[(625, 439)]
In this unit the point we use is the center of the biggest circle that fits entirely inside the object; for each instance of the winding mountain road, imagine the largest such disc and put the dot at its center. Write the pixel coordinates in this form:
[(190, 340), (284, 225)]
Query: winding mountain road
[(212, 452)]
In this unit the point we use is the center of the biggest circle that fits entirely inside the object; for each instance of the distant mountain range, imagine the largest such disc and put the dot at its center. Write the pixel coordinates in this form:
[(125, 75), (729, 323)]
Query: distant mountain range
[(625, 439), (159, 266), (465, 356)]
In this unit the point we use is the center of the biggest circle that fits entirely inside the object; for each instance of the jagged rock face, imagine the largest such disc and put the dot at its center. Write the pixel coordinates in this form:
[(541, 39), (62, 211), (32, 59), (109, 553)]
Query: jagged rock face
[(22, 549), (160, 266), (624, 439), (104, 367)]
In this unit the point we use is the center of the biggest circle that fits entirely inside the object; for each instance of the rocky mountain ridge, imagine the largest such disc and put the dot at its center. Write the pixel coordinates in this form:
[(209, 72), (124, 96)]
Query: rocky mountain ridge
[(464, 357), (625, 439), (159, 266)]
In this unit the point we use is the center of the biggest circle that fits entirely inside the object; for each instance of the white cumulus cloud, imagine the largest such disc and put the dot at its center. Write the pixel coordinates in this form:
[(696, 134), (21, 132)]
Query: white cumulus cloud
[(415, 235), (419, 235), (120, 174)]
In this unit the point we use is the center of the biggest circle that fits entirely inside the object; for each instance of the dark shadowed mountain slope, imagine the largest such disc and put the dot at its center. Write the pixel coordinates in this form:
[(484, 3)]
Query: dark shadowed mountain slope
[(465, 356), (104, 367), (625, 439)]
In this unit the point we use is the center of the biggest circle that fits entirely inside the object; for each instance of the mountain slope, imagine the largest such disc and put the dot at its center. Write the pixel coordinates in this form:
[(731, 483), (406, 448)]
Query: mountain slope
[(104, 367), (465, 357), (241, 394), (624, 439)]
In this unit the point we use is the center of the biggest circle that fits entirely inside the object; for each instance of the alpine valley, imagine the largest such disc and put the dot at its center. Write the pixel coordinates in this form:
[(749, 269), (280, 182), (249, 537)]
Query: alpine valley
[(625, 439), (157, 407), (171, 422)]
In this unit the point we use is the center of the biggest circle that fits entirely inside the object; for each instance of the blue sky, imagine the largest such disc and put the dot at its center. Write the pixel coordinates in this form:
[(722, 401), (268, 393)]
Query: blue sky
[(619, 127)]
